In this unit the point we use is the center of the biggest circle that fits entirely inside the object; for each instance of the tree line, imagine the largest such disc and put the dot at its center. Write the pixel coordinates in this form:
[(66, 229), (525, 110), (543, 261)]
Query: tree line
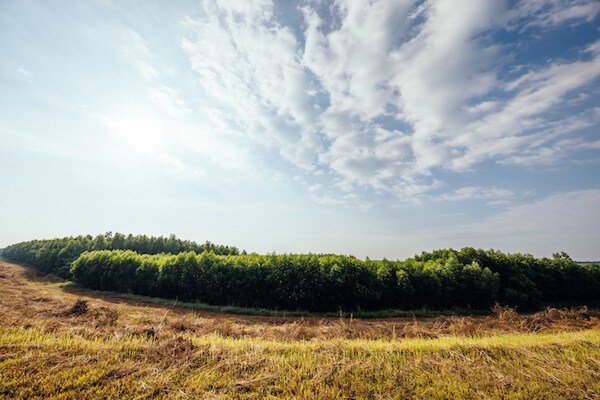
[(220, 275), (56, 255)]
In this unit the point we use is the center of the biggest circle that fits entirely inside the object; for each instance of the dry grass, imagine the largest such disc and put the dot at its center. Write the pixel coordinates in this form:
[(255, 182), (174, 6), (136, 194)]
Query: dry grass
[(51, 346)]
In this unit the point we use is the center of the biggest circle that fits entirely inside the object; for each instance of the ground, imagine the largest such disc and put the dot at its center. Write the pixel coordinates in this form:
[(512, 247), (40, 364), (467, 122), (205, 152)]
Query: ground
[(57, 342)]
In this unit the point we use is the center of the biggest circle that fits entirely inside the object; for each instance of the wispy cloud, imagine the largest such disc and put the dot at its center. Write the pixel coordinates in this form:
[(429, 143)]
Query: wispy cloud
[(476, 193), (520, 125), (170, 101), (25, 73), (426, 94), (248, 65), (549, 13), (136, 49)]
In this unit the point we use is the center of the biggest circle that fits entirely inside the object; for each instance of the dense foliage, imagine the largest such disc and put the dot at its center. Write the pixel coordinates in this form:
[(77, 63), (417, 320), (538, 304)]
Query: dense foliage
[(441, 279), (56, 255), (219, 275)]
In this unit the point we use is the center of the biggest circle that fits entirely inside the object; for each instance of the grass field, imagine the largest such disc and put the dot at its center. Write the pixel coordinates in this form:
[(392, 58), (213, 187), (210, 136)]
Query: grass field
[(52, 346)]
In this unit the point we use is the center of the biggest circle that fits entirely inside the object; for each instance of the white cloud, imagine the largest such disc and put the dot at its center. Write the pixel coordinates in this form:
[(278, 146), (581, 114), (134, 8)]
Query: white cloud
[(208, 144), (516, 132), (386, 92), (248, 63), (548, 13), (476, 193), (483, 107), (25, 73), (353, 63), (170, 101), (136, 49), (431, 80)]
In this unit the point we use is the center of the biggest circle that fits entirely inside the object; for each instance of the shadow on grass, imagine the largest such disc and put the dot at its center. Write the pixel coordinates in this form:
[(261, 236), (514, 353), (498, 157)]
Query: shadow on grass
[(74, 288)]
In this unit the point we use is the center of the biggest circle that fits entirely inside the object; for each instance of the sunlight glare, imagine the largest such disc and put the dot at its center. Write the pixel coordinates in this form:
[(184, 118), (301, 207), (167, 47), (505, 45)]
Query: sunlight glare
[(140, 131)]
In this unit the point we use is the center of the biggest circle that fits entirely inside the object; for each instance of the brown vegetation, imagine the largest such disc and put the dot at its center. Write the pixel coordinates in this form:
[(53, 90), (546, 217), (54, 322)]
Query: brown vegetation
[(58, 344)]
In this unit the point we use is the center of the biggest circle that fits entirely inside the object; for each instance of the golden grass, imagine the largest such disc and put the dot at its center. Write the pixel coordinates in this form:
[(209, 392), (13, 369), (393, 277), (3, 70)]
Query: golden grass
[(126, 350)]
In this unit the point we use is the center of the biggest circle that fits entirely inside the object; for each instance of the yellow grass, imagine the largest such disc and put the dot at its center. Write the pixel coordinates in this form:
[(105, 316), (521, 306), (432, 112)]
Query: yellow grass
[(127, 350)]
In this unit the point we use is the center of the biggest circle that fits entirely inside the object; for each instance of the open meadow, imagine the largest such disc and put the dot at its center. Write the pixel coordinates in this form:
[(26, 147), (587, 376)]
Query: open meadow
[(54, 346)]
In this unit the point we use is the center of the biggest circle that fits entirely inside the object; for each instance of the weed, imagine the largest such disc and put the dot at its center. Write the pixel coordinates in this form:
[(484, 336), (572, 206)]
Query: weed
[(79, 308)]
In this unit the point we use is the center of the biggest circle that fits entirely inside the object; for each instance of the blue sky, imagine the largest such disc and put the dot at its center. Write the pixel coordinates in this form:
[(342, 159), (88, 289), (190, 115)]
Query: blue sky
[(372, 128)]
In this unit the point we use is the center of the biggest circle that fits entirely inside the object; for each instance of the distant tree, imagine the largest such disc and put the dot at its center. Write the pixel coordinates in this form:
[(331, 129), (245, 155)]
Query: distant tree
[(561, 256)]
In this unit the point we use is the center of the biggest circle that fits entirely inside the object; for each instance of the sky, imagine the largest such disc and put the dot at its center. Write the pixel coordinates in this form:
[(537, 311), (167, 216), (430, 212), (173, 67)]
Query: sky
[(369, 128)]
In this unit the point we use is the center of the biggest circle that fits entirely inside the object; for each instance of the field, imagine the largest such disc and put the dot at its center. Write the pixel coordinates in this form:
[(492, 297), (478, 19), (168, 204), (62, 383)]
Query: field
[(57, 343)]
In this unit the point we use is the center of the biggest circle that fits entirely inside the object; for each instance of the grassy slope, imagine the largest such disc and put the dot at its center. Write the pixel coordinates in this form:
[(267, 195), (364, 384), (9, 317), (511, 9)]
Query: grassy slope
[(129, 351)]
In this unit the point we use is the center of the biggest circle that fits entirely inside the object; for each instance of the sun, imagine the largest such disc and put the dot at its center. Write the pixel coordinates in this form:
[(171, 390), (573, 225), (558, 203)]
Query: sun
[(140, 131)]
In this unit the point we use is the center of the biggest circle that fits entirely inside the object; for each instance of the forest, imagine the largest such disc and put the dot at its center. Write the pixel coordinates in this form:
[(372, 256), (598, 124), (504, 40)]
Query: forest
[(56, 255), (221, 275)]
